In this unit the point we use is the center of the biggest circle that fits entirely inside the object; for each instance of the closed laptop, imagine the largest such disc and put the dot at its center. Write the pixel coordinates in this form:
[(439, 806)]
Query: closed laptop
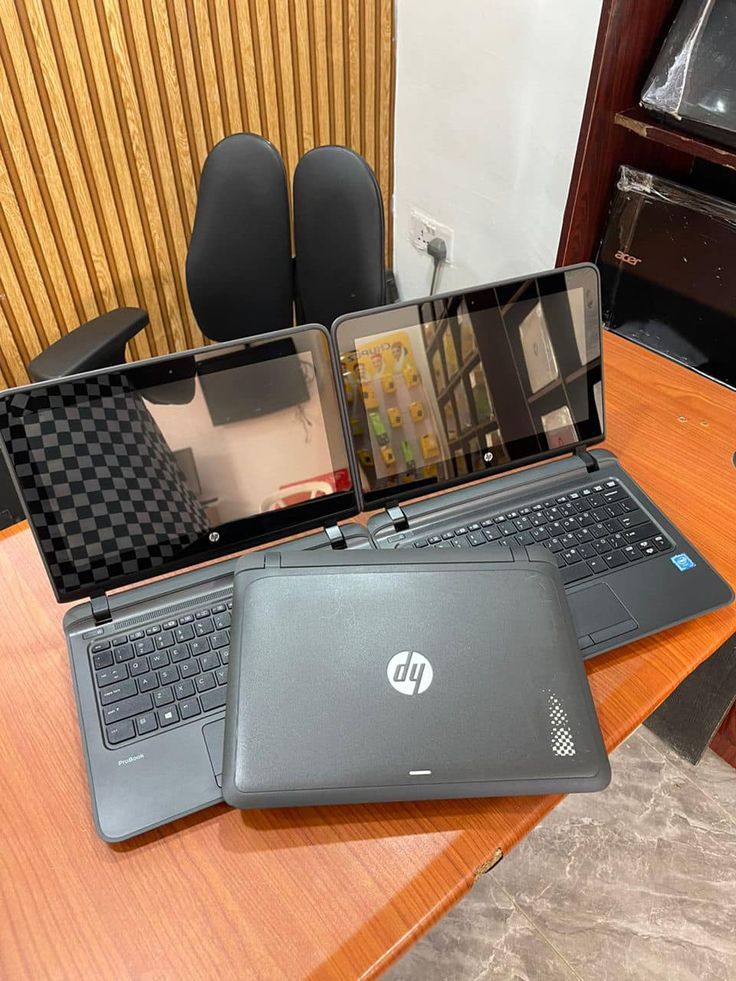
[(405, 676)]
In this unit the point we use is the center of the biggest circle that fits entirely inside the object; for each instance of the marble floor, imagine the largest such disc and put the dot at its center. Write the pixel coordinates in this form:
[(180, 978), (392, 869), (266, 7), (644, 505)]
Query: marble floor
[(637, 882)]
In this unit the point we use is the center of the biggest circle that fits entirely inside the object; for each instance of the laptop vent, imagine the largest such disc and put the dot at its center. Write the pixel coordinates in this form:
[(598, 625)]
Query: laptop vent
[(168, 611), (560, 733)]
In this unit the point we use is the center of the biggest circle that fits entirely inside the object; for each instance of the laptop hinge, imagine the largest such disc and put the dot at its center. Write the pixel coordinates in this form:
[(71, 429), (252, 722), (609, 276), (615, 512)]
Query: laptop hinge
[(398, 517), (336, 537), (100, 610), (591, 464)]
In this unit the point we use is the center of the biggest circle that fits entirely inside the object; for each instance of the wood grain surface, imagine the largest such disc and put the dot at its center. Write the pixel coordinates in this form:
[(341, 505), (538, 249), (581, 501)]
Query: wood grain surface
[(321, 892), (109, 108)]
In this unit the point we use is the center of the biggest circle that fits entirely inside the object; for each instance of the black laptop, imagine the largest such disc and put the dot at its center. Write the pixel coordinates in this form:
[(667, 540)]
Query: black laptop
[(450, 389), (125, 475)]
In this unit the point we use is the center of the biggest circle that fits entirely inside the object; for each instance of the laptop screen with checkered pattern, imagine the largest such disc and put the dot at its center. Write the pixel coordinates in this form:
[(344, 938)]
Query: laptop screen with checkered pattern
[(129, 473)]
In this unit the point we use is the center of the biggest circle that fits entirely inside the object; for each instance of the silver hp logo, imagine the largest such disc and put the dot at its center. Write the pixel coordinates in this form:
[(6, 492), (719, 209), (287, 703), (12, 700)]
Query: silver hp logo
[(488, 456), (409, 672), (214, 536)]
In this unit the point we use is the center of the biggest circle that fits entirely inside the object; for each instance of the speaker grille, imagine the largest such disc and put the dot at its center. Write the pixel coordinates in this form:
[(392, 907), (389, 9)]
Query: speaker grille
[(560, 733)]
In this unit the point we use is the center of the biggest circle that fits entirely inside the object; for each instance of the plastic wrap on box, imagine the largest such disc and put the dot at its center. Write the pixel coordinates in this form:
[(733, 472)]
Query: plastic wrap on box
[(693, 82), (668, 272)]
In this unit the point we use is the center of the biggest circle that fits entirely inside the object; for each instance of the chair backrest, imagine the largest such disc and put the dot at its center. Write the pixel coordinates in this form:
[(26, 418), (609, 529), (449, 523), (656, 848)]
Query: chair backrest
[(239, 267), (338, 235)]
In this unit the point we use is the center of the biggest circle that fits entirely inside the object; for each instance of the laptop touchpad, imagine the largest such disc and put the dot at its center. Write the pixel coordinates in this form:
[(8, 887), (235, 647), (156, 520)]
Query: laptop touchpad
[(595, 608), (213, 739)]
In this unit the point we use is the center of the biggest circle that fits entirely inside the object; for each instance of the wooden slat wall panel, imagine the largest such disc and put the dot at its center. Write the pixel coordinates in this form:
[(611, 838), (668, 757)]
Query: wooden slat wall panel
[(107, 111)]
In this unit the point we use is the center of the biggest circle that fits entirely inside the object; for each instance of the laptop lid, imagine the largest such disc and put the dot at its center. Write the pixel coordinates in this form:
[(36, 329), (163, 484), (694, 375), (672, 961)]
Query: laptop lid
[(131, 472), (412, 675), (444, 390)]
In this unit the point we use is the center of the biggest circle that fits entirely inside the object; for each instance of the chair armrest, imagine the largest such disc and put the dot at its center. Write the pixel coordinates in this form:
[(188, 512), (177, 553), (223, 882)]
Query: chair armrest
[(98, 343)]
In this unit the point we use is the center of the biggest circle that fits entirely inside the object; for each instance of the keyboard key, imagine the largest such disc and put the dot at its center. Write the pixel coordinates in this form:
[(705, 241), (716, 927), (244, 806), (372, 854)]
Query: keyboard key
[(508, 528), (111, 675), (219, 639), (632, 519), (164, 696), (167, 676), (124, 653), (573, 573), (155, 629), (102, 660), (614, 510), (200, 614), (614, 559), (208, 662), (554, 545), (422, 543), (159, 660), (434, 539), (632, 553), (611, 525), (164, 640), (123, 639), (462, 530), (120, 732), (139, 666), (221, 675), (539, 534), (144, 646), (200, 646), (206, 681), (168, 716), (183, 634), (492, 533), (586, 520), (523, 524), (474, 527), (184, 689), (225, 655), (476, 538), (101, 645), (117, 692), (647, 548), (661, 542), (447, 535), (525, 538), (584, 536), (220, 608), (190, 708), (126, 709), (569, 540), (187, 618), (188, 669), (136, 635), (571, 556), (586, 550), (598, 531), (146, 723), (538, 520), (597, 564), (147, 682), (179, 653), (169, 625), (213, 699)]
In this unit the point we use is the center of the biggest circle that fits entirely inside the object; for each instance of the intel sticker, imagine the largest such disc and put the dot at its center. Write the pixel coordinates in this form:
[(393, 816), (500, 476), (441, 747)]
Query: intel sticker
[(683, 562)]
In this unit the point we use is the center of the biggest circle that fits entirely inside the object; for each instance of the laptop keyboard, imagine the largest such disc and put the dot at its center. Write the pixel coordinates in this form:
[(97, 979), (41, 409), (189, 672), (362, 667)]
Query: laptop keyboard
[(163, 674), (590, 531)]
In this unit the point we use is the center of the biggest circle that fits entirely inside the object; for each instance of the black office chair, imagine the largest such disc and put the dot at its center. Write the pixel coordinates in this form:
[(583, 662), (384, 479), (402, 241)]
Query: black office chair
[(240, 275)]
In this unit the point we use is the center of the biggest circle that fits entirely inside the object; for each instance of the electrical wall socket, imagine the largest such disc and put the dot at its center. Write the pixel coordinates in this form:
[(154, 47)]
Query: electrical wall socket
[(423, 228)]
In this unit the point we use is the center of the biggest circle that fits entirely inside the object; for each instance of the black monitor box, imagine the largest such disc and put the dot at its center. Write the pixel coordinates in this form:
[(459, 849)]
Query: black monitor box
[(692, 85), (668, 272)]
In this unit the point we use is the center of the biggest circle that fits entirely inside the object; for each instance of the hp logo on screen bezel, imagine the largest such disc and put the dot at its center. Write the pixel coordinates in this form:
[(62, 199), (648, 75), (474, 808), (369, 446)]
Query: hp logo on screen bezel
[(409, 672)]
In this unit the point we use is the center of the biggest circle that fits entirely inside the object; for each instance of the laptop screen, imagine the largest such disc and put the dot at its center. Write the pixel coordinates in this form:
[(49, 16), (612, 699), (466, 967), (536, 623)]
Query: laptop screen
[(131, 472), (443, 390)]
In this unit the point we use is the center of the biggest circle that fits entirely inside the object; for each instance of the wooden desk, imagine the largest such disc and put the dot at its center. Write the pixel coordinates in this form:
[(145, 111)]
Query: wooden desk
[(329, 892)]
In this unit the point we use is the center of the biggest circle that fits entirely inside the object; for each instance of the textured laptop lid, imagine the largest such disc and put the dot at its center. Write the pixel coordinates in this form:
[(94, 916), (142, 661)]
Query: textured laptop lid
[(432, 673)]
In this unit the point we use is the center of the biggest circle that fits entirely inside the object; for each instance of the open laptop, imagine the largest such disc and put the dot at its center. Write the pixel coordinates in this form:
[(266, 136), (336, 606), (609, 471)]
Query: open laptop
[(125, 475), (444, 391)]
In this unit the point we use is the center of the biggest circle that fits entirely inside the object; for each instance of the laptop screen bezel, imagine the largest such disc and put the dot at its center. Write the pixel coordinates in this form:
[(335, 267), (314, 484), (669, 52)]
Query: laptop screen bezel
[(374, 499), (257, 529)]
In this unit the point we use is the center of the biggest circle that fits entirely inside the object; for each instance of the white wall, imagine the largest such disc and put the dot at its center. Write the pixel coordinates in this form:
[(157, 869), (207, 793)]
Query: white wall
[(489, 100)]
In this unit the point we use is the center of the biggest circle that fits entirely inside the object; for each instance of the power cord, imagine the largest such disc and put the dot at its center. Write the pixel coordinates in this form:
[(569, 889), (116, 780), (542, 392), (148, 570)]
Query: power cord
[(437, 248)]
